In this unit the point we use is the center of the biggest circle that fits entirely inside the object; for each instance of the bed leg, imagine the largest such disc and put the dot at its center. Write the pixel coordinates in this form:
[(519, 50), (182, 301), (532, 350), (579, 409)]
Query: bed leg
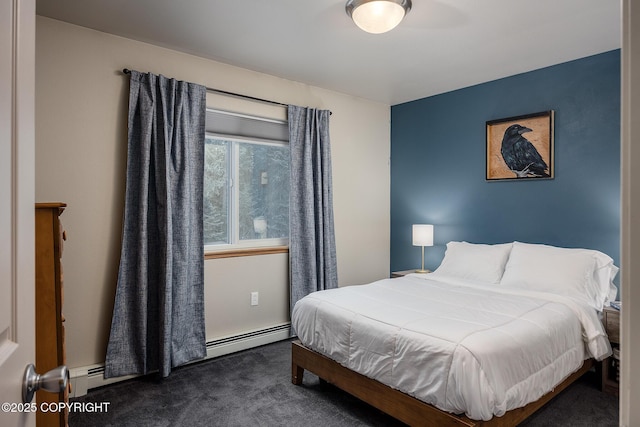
[(296, 374)]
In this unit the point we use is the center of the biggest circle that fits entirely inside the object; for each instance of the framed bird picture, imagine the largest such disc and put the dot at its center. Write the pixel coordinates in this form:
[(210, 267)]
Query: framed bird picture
[(521, 147)]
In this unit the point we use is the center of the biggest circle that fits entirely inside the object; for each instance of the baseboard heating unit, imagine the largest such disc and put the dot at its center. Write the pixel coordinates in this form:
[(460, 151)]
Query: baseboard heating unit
[(86, 378)]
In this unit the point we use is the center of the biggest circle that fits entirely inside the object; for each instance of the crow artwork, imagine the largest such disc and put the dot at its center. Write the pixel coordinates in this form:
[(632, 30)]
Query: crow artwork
[(520, 155)]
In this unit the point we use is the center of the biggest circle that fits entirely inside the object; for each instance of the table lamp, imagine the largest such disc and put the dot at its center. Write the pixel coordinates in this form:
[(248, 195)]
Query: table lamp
[(422, 236)]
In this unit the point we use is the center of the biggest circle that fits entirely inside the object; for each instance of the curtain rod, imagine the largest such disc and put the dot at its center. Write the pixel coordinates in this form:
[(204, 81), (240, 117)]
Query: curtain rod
[(237, 95)]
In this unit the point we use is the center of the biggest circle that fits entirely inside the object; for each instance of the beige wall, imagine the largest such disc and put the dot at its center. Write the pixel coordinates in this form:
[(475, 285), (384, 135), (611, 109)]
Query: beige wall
[(630, 271), (81, 104)]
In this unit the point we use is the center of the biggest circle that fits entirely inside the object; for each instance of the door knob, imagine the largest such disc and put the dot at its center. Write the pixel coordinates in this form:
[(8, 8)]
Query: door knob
[(54, 381)]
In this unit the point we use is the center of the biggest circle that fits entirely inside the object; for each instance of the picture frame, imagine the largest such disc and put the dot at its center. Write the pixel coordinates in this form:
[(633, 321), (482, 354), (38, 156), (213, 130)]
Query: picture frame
[(520, 147)]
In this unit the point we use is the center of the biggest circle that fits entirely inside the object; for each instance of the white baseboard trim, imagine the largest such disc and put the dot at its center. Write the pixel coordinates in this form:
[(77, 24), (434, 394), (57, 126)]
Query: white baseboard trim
[(86, 378)]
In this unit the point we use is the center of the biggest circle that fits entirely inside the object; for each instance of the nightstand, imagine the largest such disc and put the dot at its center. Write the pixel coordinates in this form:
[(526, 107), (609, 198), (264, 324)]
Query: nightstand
[(611, 366), (402, 273)]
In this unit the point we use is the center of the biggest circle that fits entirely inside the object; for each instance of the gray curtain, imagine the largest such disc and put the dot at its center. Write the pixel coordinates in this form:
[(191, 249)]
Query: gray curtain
[(158, 317), (312, 246)]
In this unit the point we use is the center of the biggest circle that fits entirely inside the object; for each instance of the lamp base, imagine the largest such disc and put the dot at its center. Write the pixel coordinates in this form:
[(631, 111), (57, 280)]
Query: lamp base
[(423, 271)]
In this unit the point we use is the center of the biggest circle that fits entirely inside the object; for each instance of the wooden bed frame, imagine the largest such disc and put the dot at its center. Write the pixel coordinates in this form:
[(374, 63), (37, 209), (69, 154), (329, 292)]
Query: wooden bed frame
[(400, 405)]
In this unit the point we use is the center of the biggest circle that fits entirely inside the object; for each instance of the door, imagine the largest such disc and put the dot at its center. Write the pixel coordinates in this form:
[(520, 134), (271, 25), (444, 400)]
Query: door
[(17, 317)]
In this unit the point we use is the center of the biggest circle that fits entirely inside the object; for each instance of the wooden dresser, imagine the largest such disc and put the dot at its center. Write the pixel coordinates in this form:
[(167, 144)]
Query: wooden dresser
[(50, 347)]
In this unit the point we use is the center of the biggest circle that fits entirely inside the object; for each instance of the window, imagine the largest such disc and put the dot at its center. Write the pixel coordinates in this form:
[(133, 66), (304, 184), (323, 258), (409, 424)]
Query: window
[(246, 183)]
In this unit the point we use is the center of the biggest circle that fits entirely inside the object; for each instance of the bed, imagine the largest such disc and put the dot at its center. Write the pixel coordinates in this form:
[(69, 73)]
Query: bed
[(486, 339)]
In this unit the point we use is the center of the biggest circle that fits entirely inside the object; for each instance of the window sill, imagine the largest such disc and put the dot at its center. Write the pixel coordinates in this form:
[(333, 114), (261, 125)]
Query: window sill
[(231, 253)]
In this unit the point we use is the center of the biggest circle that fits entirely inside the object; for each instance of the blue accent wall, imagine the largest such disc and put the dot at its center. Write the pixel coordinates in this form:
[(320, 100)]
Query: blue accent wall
[(438, 164)]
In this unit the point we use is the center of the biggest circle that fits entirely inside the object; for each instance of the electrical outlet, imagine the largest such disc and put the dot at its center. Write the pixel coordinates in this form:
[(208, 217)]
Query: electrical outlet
[(254, 298)]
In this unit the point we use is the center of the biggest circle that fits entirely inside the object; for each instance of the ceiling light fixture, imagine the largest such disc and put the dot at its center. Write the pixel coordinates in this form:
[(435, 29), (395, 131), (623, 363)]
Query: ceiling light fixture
[(377, 16)]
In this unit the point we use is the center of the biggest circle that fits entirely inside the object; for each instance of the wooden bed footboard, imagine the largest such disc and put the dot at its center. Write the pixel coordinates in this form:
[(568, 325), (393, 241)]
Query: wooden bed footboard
[(400, 405)]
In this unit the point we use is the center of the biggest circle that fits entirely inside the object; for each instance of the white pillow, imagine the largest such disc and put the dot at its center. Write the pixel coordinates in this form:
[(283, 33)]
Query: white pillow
[(582, 274), (471, 261)]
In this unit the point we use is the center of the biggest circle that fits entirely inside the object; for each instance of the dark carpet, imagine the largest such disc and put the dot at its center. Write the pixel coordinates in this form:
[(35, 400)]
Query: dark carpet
[(253, 388)]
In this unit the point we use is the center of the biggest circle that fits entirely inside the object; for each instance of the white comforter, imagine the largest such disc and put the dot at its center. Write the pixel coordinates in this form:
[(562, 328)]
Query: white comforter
[(462, 347)]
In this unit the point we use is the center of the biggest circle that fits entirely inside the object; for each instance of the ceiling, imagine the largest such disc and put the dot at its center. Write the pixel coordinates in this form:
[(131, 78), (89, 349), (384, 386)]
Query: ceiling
[(440, 46)]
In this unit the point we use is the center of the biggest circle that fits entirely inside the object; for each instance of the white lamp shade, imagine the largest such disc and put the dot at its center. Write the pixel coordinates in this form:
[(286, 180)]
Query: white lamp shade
[(422, 235)]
